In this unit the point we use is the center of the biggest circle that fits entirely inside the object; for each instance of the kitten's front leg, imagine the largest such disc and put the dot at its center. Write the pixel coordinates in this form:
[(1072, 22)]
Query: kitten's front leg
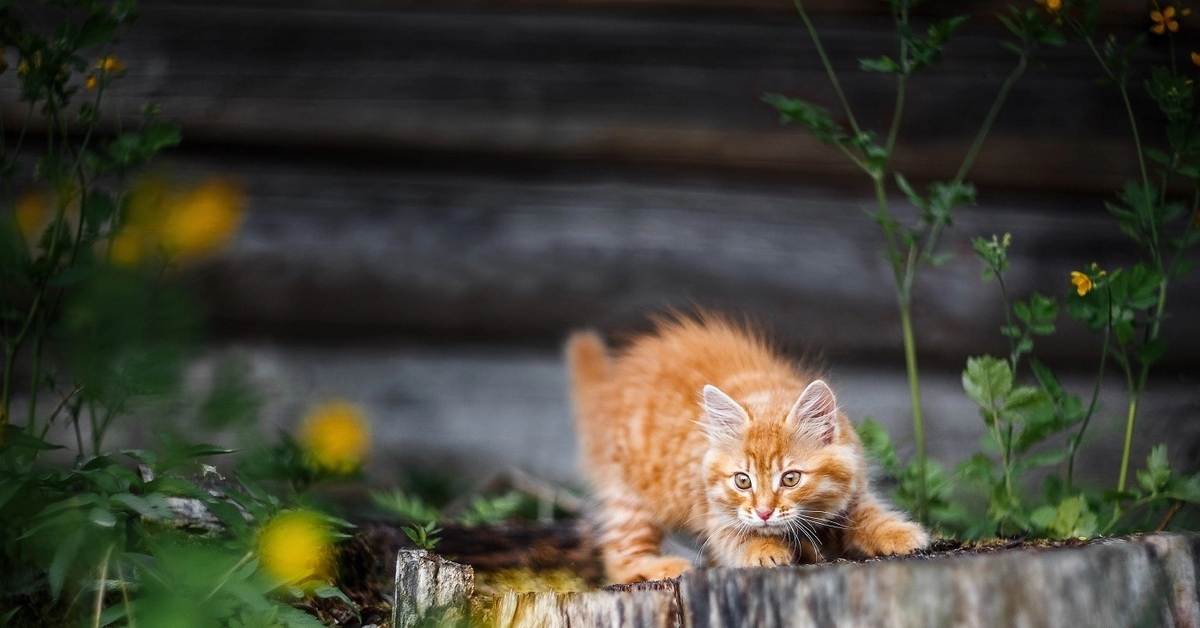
[(874, 530), (630, 544), (730, 549)]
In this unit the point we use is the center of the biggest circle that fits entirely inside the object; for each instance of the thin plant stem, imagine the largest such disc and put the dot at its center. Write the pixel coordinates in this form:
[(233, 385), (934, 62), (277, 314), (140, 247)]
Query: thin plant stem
[(62, 404), (1120, 83), (35, 378), (1133, 404), (1166, 521), (100, 588), (837, 86), (901, 87), (125, 596), (225, 577), (990, 119), (914, 390), (1077, 439)]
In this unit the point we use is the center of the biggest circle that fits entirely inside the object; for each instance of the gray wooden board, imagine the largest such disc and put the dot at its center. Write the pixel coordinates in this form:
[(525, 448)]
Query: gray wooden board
[(476, 411), (624, 85), (334, 249)]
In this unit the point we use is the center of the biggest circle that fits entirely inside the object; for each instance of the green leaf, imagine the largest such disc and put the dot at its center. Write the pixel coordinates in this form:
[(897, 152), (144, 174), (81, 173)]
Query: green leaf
[(987, 380), (64, 556), (1151, 352), (97, 30), (816, 119), (882, 64), (1044, 459), (913, 196), (98, 209), (327, 592), (1024, 398), (1157, 473), (152, 506), (102, 518)]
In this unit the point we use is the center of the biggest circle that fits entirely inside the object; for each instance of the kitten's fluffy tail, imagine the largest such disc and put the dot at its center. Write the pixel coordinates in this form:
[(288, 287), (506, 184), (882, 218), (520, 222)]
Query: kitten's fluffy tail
[(588, 363)]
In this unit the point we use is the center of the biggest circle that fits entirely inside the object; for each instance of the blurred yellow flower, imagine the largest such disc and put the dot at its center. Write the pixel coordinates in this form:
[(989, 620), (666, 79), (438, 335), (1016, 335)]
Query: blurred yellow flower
[(336, 435), (1164, 20), (1051, 5), (178, 225), (33, 213), (91, 82), (1083, 283), (110, 65), (35, 210), (204, 220), (297, 548)]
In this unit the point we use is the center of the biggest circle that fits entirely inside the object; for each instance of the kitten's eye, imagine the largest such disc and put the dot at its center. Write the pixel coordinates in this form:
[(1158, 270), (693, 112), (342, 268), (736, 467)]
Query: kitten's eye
[(790, 479), (741, 480)]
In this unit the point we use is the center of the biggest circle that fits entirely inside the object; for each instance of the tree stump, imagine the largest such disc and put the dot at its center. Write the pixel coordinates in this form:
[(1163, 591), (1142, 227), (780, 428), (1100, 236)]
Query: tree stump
[(1139, 581), (430, 590)]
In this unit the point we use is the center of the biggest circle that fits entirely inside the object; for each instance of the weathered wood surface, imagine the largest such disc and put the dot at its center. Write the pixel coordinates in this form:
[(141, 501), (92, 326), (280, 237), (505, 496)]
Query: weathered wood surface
[(649, 605), (631, 86), (1141, 581), (340, 250), (428, 585)]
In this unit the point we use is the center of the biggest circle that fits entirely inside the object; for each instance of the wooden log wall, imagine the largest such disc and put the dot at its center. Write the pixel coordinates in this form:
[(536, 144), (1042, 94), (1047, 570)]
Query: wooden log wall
[(497, 172), (539, 165)]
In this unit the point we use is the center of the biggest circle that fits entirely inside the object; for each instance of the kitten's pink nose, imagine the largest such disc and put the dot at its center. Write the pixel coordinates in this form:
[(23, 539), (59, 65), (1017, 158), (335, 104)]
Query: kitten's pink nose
[(765, 514)]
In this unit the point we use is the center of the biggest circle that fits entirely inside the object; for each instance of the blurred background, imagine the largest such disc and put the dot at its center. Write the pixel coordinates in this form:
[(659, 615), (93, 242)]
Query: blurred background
[(438, 192)]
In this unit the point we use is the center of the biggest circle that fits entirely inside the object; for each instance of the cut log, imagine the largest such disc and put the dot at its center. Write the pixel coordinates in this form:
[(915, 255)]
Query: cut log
[(1149, 580), (430, 589), (648, 605)]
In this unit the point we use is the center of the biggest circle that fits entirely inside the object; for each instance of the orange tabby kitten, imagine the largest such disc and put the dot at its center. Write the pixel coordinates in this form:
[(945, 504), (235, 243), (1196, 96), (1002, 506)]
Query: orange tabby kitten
[(702, 427)]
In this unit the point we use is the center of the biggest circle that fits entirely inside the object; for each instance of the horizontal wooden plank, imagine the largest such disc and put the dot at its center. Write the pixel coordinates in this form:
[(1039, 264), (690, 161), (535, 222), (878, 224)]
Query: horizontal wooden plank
[(1118, 12), (343, 248), (640, 87)]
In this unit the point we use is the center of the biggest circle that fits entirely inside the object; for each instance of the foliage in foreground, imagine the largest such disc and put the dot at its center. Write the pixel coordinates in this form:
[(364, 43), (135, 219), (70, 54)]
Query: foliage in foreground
[(1036, 428), (93, 312)]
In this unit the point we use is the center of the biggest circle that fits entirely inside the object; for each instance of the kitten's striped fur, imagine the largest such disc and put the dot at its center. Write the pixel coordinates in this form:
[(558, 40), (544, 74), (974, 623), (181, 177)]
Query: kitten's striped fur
[(668, 423)]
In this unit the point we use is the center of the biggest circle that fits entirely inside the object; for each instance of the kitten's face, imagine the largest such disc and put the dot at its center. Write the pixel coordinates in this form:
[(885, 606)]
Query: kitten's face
[(783, 471)]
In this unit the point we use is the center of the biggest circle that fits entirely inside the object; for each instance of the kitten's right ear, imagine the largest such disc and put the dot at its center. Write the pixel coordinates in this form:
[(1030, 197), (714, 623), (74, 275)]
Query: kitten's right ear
[(723, 417)]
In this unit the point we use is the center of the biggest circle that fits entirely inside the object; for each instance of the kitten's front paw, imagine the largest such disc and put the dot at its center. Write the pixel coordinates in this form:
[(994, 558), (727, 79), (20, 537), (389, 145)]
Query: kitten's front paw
[(894, 537), (766, 553), (649, 568)]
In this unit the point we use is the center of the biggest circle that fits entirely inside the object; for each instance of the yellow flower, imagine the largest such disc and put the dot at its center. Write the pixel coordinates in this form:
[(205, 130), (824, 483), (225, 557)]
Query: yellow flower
[(1164, 21), (91, 82), (1195, 58), (33, 212), (1083, 283), (129, 247), (23, 67), (110, 65), (296, 548), (1051, 5), (204, 220), (162, 222), (336, 436)]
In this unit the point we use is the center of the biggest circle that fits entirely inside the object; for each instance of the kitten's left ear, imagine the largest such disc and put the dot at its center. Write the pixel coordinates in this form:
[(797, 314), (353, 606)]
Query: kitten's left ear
[(724, 419), (815, 413)]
